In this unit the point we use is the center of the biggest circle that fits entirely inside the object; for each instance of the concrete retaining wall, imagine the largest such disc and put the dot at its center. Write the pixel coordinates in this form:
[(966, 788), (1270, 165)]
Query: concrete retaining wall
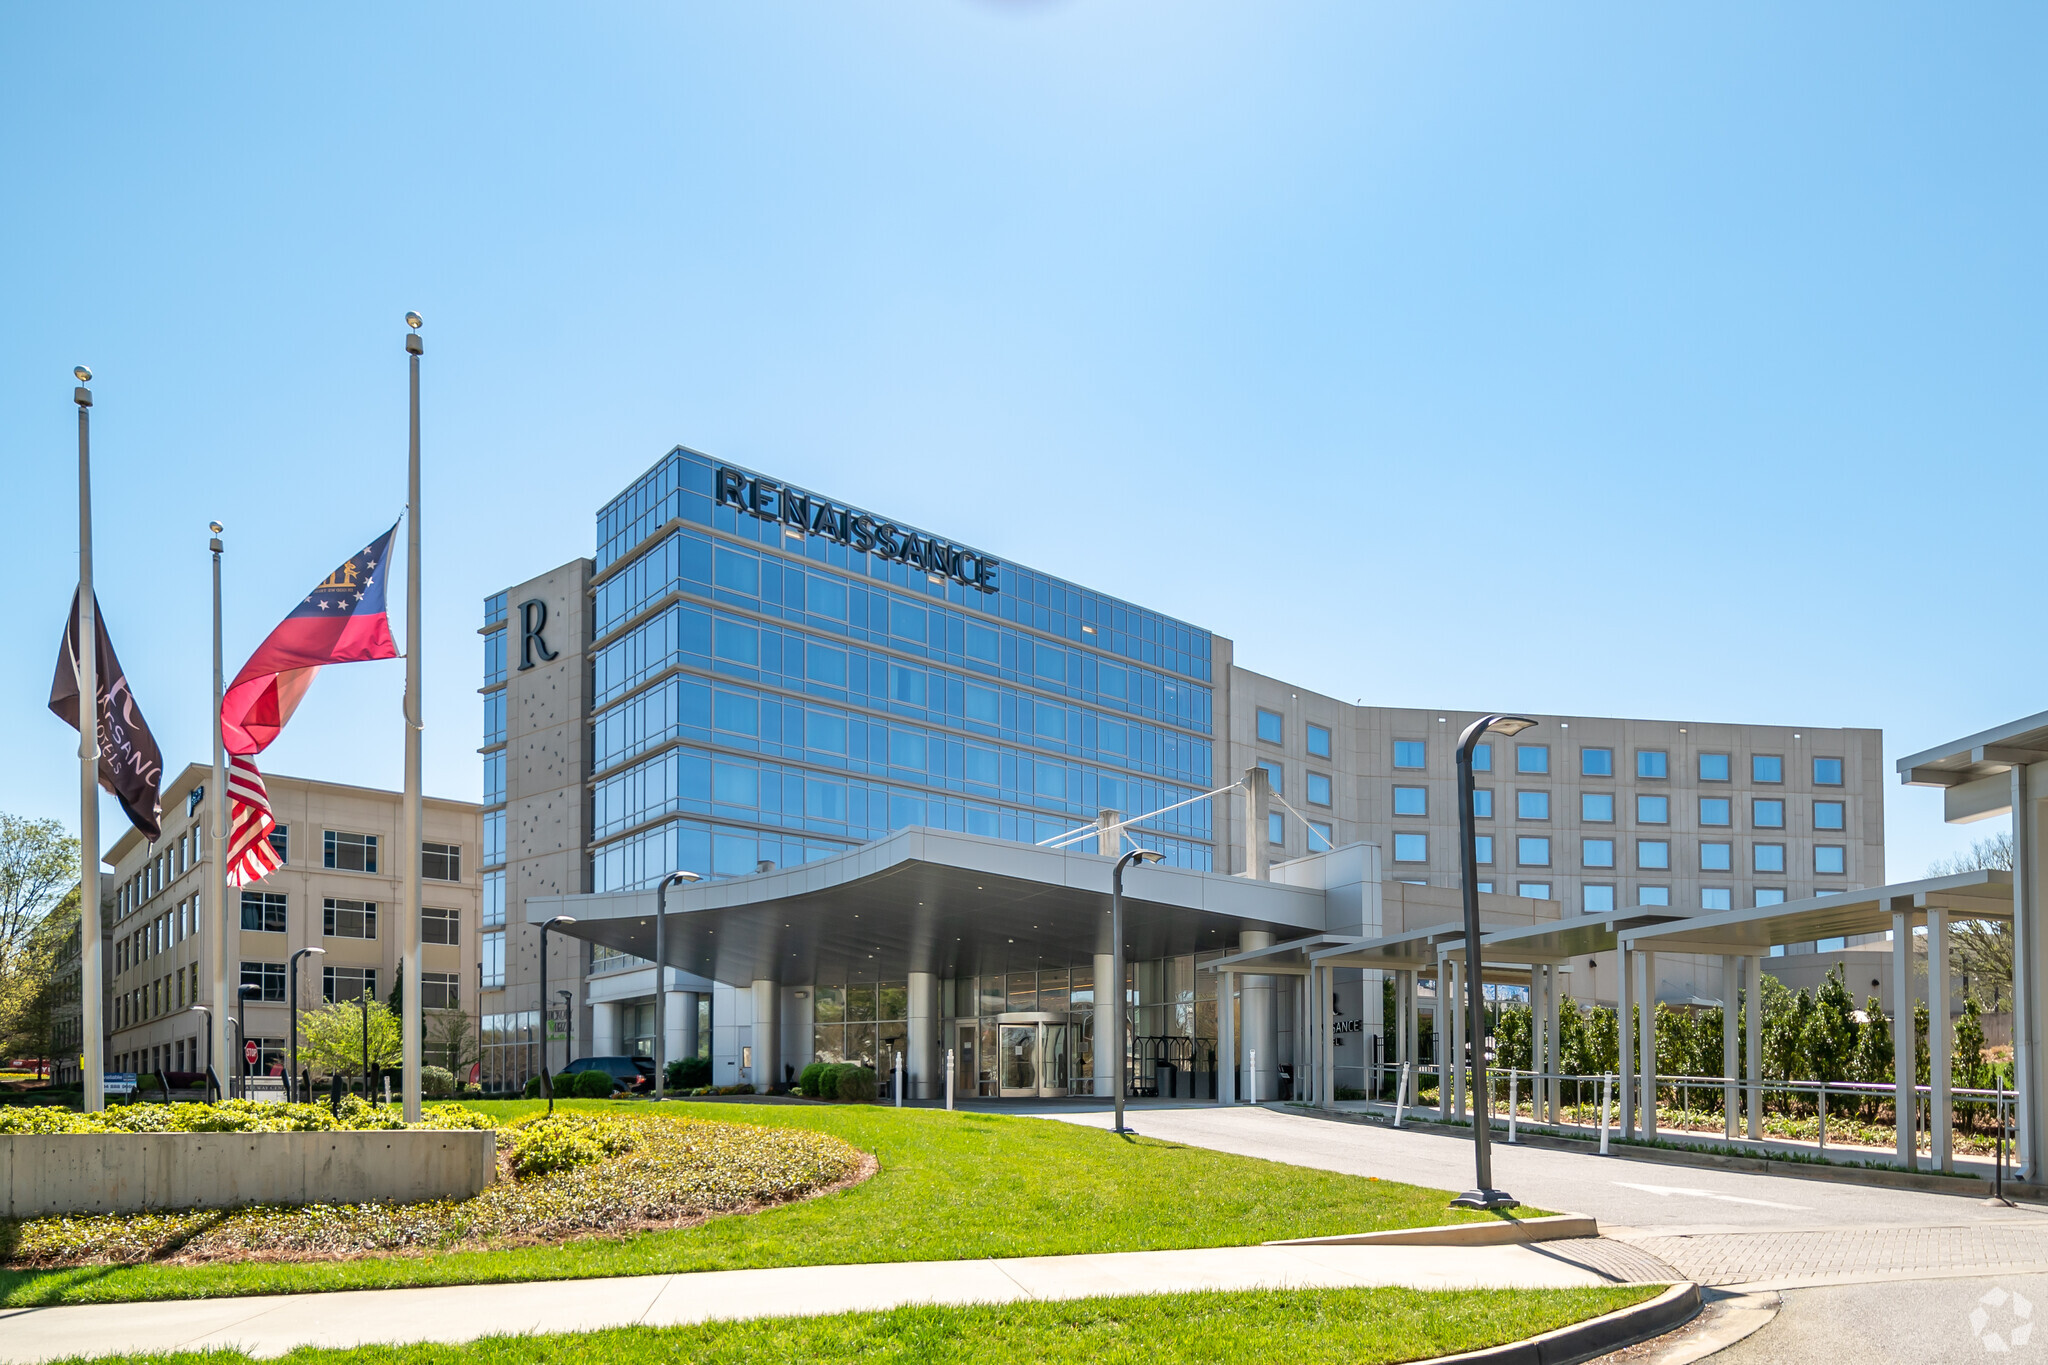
[(130, 1172)]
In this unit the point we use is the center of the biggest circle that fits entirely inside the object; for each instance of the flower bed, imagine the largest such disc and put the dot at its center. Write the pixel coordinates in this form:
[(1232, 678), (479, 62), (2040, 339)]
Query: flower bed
[(236, 1116), (588, 1175)]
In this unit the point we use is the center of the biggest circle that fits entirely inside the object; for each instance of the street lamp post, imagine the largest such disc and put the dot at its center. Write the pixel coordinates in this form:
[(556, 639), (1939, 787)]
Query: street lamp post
[(1484, 1195), (676, 878), (242, 994), (1116, 977), (212, 1080), (558, 919), (292, 1008), (568, 1023)]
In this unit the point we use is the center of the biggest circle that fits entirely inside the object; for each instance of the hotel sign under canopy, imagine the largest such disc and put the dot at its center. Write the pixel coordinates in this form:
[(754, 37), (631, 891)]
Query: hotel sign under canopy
[(816, 516)]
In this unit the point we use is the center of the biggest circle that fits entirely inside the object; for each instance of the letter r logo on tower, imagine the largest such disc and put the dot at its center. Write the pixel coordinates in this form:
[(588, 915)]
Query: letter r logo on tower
[(533, 618)]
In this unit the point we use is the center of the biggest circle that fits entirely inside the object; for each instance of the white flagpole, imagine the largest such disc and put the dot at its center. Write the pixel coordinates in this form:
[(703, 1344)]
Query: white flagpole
[(217, 878), (93, 1034), (409, 922)]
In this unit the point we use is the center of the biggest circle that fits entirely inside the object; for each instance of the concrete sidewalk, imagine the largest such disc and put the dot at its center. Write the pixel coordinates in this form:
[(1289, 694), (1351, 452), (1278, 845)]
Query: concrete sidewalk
[(272, 1325)]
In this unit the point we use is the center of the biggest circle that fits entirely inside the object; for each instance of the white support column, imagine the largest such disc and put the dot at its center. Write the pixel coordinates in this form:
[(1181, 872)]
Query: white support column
[(767, 1041), (1325, 999), (1460, 1107), (1940, 1048), (1554, 996), (1261, 1020), (1106, 1032), (1731, 990), (678, 1021), (1258, 796), (1754, 1015), (1226, 1039), (604, 1029), (2030, 1115), (925, 1074), (1646, 998), (688, 1041), (1624, 1023), (1905, 1064), (1414, 1036), (1539, 1034)]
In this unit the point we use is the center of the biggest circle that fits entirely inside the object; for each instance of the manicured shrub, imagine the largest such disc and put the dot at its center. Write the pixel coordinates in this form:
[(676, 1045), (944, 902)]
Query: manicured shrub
[(808, 1079), (593, 1085), (553, 1142), (437, 1083), (856, 1085), (532, 1091)]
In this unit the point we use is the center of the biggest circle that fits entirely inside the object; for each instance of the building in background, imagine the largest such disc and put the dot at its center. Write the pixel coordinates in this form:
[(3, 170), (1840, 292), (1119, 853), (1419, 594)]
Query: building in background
[(748, 677), (339, 890)]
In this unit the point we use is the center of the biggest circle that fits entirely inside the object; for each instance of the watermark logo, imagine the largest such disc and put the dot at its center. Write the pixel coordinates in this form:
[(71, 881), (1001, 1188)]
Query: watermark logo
[(2002, 1321)]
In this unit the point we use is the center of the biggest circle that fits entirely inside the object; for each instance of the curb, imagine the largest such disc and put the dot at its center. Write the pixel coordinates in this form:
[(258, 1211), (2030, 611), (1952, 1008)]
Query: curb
[(1924, 1181), (1583, 1341), (1554, 1228)]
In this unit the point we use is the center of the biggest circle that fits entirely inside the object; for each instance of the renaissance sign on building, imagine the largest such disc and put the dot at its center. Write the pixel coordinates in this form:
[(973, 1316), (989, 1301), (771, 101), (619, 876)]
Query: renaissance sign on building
[(816, 516)]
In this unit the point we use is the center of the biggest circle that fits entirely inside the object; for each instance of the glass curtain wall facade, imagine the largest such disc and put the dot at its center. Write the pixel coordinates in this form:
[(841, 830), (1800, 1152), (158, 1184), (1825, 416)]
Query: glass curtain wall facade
[(766, 694)]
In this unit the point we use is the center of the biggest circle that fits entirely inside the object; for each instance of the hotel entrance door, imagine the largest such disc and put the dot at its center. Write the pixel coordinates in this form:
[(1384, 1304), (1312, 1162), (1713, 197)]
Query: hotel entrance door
[(1033, 1057)]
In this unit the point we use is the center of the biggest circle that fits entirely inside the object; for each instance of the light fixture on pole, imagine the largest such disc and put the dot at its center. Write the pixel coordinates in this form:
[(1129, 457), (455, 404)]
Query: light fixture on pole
[(292, 1008), (215, 888), (92, 1042), (1119, 1047), (1483, 1195), (547, 925), (676, 878), (412, 1024)]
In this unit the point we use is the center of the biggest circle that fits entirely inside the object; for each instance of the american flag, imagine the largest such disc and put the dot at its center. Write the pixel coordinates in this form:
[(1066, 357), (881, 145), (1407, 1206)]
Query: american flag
[(250, 856)]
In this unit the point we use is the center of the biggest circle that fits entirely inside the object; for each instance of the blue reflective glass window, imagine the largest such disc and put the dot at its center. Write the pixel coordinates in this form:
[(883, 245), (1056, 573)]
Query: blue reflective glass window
[(1531, 851), (1049, 721), (1767, 858), (737, 571), (1827, 772), (906, 749), (1319, 789), (1715, 898), (494, 777), (824, 664), (1532, 758), (1412, 800), (1717, 857), (1596, 762), (1830, 860), (1653, 810), (1596, 852), (1112, 737), (1411, 848), (1482, 757), (984, 644), (905, 811), (1596, 807), (906, 621), (1713, 767), (1482, 848), (1767, 814), (1596, 900), (1766, 768), (983, 704), (1318, 741), (494, 657), (1112, 680), (1049, 663), (736, 785), (1534, 891), (1532, 805), (824, 799), (1653, 895), (983, 765), (734, 855), (1321, 838), (1653, 763), (1411, 753), (737, 642), (906, 684), (1276, 828), (825, 732), (494, 717), (1828, 815), (1654, 853), (1714, 810), (1049, 779), (1482, 803), (740, 715), (1776, 896), (1274, 773), (1271, 727), (825, 597)]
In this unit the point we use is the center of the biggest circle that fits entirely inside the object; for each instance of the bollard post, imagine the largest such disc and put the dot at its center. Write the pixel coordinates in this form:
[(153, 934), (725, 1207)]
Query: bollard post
[(1514, 1101), (949, 1079), (1252, 1065), (1401, 1099), (1606, 1093), (897, 1085), (387, 1087)]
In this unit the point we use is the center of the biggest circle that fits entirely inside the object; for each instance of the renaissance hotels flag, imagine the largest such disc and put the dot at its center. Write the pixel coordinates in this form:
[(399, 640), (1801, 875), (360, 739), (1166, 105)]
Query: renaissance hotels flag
[(342, 621), (131, 766)]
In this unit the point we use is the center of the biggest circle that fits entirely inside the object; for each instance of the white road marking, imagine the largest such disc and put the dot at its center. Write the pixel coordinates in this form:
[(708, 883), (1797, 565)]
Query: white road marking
[(1666, 1191)]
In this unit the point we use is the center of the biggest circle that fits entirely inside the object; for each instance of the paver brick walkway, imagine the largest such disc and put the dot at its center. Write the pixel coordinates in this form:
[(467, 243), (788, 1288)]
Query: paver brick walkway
[(1823, 1255)]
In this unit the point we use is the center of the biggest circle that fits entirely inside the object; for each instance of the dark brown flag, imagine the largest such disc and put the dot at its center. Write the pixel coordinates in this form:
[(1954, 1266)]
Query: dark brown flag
[(131, 766)]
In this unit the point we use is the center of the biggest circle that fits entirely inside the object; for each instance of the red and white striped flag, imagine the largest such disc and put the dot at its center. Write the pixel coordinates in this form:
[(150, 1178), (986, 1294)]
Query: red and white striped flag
[(250, 856)]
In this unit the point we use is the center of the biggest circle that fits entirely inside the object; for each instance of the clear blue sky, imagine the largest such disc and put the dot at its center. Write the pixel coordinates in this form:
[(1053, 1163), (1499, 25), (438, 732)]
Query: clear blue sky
[(1333, 328)]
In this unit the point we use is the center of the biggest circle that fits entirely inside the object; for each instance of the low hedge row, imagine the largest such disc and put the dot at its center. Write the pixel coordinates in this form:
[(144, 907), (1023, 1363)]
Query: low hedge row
[(837, 1081)]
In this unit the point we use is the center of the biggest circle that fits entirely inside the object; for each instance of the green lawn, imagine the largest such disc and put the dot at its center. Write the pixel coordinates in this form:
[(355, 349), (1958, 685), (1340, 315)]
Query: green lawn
[(951, 1187), (1302, 1327)]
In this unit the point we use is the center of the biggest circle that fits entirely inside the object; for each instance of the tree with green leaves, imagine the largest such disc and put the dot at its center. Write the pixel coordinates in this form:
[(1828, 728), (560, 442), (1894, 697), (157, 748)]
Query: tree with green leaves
[(331, 1038), (1829, 1036), (1873, 1061), (1920, 1068), (451, 1042), (1967, 1065)]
